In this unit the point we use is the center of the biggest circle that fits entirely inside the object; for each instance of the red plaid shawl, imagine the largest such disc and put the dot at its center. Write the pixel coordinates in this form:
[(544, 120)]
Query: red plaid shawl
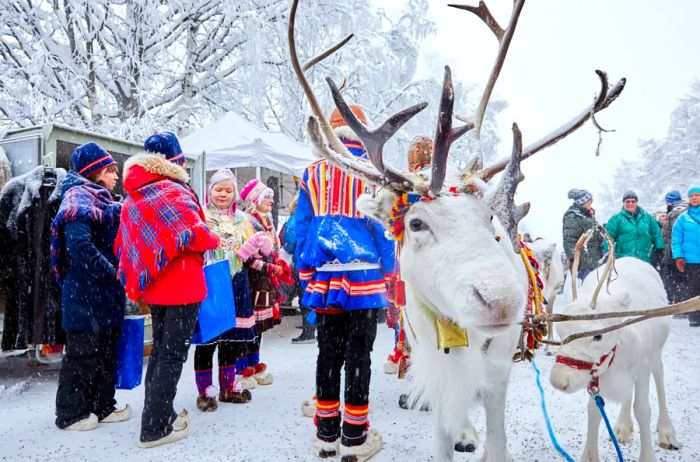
[(158, 222)]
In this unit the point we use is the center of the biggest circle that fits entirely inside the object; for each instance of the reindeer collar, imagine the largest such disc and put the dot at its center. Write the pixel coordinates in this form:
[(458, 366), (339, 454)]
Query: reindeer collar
[(596, 369)]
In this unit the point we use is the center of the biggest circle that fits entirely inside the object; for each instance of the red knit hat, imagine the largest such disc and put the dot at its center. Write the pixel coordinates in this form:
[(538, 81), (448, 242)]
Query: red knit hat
[(338, 121)]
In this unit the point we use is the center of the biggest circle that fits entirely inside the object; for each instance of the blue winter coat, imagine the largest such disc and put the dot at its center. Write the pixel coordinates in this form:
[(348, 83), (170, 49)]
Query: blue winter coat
[(329, 228), (685, 238), (83, 235)]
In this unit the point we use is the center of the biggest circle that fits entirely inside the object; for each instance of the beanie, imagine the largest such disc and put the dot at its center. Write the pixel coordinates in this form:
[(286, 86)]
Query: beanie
[(254, 192), (420, 153), (672, 198), (337, 120), (165, 143), (630, 195), (694, 190), (580, 196), (219, 176), (90, 158)]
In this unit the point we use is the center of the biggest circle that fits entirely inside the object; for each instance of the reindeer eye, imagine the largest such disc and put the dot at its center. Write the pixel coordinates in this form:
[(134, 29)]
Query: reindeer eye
[(597, 338), (417, 225)]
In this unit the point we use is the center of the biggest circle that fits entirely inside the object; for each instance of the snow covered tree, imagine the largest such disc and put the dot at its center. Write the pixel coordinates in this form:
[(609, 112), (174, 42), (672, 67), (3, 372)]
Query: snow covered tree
[(129, 67), (666, 164)]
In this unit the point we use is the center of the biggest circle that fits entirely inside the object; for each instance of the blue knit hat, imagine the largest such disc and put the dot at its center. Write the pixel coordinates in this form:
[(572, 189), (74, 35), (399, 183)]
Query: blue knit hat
[(694, 189), (580, 196), (90, 158), (673, 198), (165, 143)]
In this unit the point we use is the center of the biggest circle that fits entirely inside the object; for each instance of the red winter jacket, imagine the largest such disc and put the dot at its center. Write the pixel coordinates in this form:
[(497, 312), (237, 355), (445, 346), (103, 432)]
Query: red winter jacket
[(181, 282)]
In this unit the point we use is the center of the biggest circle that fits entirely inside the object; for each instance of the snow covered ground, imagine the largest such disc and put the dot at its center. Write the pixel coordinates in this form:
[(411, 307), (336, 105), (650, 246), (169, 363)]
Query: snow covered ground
[(271, 427)]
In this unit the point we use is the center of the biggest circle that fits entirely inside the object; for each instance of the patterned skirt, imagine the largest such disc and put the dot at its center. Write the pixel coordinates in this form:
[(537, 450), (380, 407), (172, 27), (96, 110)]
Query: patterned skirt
[(346, 290), (265, 301)]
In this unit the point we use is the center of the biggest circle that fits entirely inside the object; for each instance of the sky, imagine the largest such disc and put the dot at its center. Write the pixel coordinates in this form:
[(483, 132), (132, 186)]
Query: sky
[(549, 77)]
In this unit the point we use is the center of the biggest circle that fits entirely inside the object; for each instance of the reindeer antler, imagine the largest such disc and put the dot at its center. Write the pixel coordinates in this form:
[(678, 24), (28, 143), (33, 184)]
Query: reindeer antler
[(503, 201), (445, 134), (608, 266), (333, 140), (604, 98), (504, 36), (374, 140)]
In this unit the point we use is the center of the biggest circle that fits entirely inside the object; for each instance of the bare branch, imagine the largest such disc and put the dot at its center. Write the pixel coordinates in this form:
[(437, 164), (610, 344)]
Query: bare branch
[(327, 53)]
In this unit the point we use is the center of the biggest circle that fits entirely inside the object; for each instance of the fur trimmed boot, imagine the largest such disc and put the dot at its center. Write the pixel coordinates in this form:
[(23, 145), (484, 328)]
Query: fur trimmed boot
[(88, 423), (118, 415), (261, 375), (236, 397), (246, 378), (372, 445), (207, 401), (326, 449)]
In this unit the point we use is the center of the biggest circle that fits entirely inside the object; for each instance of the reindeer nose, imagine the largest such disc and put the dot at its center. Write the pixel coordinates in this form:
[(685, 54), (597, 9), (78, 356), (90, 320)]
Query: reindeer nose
[(558, 378)]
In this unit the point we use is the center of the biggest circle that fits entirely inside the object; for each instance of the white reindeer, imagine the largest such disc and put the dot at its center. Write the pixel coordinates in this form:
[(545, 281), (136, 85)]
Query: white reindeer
[(552, 273), (619, 362), (459, 250)]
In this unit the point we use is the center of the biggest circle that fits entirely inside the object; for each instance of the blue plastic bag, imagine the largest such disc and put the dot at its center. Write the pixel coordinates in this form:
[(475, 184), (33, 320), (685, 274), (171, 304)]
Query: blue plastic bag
[(130, 353), (217, 313)]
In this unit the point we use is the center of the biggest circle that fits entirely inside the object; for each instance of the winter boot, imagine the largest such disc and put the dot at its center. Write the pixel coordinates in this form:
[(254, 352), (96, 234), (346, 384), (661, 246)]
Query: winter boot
[(261, 375), (372, 445), (181, 429), (247, 379), (236, 397), (307, 335), (308, 408), (207, 401), (88, 423), (326, 449), (118, 415)]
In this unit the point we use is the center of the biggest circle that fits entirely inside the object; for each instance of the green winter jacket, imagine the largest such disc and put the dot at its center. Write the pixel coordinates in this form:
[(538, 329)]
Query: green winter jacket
[(635, 236), (577, 221)]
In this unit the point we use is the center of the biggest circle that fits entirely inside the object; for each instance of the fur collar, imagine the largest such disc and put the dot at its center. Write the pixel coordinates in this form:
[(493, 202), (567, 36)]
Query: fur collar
[(158, 165)]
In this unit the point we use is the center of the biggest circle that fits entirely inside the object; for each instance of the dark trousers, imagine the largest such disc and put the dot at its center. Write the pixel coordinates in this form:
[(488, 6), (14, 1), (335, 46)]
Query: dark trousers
[(172, 334), (675, 282), (228, 352), (86, 380), (692, 272), (344, 339)]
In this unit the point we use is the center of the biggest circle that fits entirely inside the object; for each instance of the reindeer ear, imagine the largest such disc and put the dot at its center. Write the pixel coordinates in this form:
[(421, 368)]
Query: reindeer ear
[(378, 205)]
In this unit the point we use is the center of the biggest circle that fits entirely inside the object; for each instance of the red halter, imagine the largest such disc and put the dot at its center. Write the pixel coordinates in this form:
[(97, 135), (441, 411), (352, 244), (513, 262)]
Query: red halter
[(595, 368)]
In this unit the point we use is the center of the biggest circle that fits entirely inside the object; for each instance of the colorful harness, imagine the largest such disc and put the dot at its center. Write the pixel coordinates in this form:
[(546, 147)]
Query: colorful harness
[(448, 333)]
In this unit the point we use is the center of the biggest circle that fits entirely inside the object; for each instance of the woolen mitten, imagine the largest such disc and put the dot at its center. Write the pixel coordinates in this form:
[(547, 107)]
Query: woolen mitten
[(257, 242)]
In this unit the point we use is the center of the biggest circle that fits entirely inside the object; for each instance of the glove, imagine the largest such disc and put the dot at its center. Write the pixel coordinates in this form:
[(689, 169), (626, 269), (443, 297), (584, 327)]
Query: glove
[(656, 258), (257, 242), (680, 264)]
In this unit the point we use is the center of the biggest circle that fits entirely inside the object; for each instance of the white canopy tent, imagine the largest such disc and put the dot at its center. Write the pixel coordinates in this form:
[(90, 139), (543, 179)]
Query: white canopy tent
[(234, 142)]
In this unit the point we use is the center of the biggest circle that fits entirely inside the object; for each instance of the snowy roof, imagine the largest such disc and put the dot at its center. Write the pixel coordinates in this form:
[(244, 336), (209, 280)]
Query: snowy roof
[(234, 142)]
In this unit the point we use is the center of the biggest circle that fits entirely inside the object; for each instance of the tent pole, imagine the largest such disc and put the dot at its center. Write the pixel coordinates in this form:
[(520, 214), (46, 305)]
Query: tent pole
[(258, 173)]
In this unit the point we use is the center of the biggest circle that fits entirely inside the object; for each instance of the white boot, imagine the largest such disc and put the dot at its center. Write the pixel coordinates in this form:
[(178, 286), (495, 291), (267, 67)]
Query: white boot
[(391, 367), (372, 445), (88, 423), (325, 449), (118, 415), (308, 408), (247, 383), (181, 429)]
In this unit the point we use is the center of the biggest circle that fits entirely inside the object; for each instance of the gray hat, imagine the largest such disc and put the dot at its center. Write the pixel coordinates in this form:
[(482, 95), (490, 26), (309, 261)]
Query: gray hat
[(580, 196), (630, 195)]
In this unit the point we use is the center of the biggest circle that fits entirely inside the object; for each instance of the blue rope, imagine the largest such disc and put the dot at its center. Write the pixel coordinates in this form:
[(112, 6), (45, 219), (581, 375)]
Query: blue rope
[(601, 405), (546, 416)]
